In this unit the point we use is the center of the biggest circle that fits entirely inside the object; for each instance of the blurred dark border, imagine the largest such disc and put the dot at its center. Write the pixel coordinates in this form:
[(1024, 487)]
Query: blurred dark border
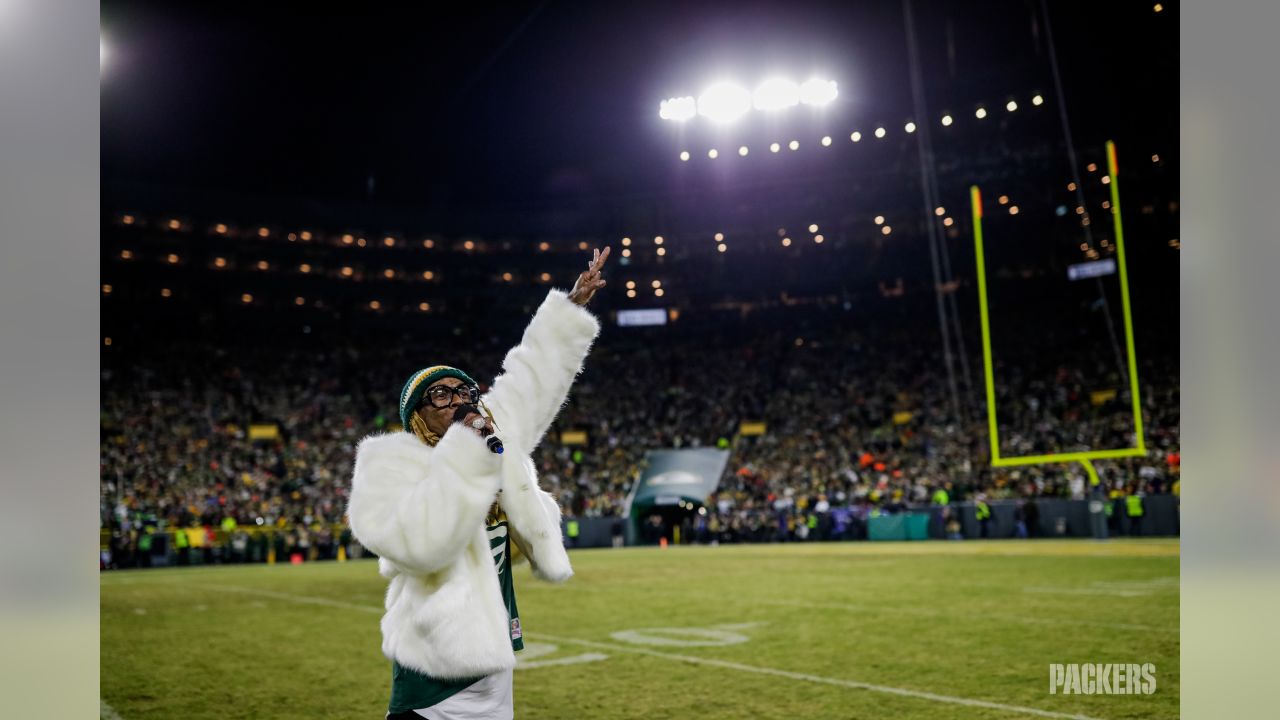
[(49, 190), (1231, 175), (49, 218)]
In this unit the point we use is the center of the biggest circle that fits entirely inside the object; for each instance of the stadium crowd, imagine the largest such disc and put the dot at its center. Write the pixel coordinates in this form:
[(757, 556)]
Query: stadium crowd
[(855, 422)]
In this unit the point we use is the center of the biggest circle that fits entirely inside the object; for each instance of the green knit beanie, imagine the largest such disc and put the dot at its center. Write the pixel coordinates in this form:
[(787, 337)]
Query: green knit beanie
[(411, 395)]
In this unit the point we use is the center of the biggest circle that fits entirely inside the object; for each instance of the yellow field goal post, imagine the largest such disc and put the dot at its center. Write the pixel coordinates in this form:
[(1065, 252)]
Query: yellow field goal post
[(1087, 457)]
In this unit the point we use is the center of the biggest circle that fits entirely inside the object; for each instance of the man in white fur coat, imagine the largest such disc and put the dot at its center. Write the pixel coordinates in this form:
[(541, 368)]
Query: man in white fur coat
[(443, 511)]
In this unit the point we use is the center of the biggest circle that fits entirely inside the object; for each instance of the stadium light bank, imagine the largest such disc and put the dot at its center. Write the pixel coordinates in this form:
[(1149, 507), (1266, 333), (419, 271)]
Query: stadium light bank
[(724, 102)]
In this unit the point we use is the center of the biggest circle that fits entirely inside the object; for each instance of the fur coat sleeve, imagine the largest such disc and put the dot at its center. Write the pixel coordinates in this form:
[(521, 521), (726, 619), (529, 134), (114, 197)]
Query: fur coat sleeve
[(417, 506), (537, 373)]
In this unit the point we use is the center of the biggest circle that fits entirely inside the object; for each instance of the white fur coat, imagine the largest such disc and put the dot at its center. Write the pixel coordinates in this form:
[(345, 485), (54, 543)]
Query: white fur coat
[(422, 509)]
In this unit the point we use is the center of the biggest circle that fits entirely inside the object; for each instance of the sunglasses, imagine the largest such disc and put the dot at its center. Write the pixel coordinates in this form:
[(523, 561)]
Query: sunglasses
[(441, 396)]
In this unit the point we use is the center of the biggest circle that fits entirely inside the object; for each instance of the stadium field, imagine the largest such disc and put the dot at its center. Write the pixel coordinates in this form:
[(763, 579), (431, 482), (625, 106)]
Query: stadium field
[(839, 630)]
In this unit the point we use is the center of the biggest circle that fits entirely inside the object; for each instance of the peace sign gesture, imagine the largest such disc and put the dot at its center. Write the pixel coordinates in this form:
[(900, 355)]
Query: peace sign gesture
[(590, 281)]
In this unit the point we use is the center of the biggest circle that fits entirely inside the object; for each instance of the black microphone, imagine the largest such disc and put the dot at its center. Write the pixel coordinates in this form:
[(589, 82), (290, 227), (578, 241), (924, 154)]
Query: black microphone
[(492, 441), (495, 445)]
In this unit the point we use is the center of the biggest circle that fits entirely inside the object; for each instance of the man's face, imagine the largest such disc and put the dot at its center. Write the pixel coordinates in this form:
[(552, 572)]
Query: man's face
[(438, 419)]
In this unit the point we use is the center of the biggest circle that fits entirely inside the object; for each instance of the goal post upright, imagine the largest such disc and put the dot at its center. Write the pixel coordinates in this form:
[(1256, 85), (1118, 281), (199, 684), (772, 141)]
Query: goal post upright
[(1088, 456)]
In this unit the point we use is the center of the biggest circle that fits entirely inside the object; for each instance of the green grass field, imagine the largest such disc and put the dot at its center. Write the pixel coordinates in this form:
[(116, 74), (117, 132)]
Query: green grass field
[(848, 630)]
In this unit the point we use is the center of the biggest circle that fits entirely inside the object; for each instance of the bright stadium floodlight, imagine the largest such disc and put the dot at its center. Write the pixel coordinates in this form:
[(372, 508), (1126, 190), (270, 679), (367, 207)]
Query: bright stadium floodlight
[(946, 121), (677, 109), (818, 92), (724, 102), (880, 132), (684, 155), (826, 141), (856, 136), (774, 147), (910, 127), (776, 94), (713, 153), (742, 151)]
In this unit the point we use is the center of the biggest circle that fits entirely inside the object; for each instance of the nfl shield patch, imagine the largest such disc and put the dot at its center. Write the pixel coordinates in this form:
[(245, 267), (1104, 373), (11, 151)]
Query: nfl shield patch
[(515, 629)]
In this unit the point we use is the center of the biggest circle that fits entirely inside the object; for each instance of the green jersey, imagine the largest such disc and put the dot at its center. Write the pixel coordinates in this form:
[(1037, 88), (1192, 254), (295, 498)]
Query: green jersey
[(500, 546), (412, 690)]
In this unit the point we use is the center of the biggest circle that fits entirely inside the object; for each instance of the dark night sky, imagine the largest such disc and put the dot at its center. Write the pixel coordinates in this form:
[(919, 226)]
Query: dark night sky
[(496, 102)]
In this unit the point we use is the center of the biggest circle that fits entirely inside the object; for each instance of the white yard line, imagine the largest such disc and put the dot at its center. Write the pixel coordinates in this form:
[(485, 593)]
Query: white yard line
[(575, 660), (804, 677), (1125, 588), (934, 613), (818, 679), (1168, 582), (1085, 591), (107, 712), (292, 598)]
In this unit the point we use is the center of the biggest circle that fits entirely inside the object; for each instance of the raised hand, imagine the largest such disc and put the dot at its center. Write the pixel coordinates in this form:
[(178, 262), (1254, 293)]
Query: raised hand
[(590, 281)]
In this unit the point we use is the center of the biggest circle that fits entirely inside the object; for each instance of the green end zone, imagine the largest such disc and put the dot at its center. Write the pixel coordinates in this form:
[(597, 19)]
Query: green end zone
[(1086, 457)]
